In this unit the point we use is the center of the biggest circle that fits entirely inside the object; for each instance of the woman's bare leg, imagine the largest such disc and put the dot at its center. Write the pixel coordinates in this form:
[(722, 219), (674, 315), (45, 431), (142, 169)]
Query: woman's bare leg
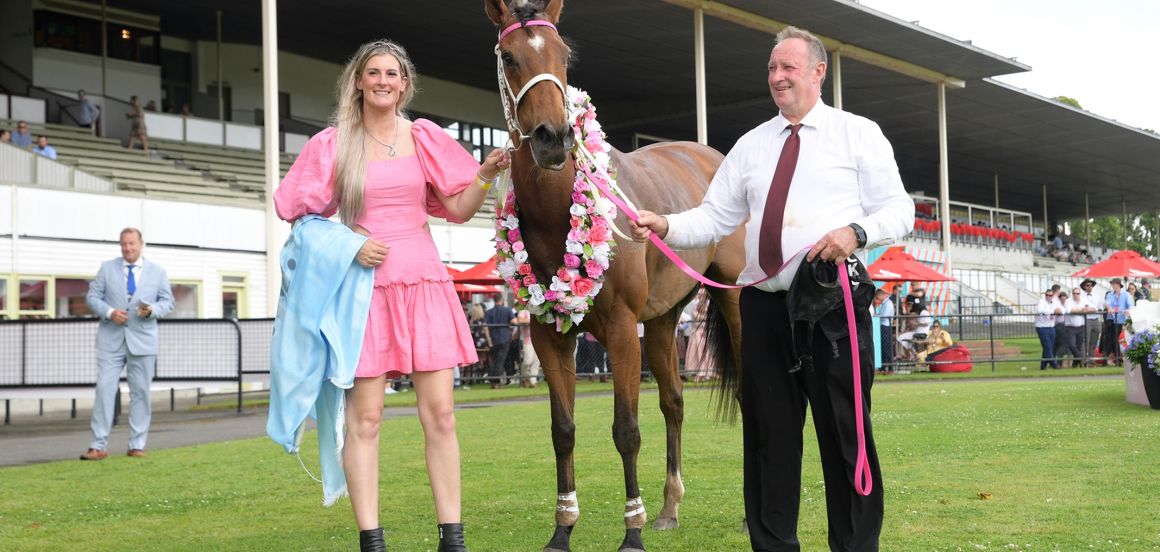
[(437, 414), (360, 455)]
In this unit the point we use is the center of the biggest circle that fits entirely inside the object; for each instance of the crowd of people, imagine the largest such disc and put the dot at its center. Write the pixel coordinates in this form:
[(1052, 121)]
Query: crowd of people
[(1084, 325), (21, 137)]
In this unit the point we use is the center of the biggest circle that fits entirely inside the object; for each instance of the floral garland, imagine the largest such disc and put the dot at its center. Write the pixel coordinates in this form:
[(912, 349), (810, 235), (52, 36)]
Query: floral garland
[(588, 248)]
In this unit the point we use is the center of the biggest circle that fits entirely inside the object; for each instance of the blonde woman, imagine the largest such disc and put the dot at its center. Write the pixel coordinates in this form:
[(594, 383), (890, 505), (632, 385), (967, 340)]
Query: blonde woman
[(384, 175)]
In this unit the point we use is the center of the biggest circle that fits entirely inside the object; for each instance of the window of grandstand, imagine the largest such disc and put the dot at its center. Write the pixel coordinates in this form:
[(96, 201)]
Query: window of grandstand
[(70, 298), (82, 34), (33, 298), (185, 300), (476, 138)]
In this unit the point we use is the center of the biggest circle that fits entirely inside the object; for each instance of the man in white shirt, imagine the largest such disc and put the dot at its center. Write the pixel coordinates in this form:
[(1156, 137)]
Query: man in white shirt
[(88, 113), (1074, 322), (1045, 313), (1093, 322), (885, 314), (840, 191)]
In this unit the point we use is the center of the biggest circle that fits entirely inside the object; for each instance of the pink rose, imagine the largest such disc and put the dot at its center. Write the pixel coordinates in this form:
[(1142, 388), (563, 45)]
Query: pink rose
[(504, 246), (581, 185), (598, 234), (582, 286), (513, 234), (576, 234), (593, 268), (518, 246), (571, 261), (594, 143), (551, 295), (564, 275), (575, 222), (529, 280), (524, 269), (578, 197)]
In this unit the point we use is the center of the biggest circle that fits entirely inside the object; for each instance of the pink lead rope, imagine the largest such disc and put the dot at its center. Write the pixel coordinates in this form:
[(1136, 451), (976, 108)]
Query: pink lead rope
[(863, 479)]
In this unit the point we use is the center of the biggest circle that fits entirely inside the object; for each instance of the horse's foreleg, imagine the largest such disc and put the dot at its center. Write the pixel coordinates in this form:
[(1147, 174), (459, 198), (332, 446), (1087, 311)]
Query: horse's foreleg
[(624, 355), (556, 358), (660, 349)]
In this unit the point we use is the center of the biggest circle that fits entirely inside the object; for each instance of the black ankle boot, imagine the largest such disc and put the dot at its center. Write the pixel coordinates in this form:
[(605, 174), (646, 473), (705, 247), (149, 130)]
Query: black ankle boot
[(371, 540), (451, 538)]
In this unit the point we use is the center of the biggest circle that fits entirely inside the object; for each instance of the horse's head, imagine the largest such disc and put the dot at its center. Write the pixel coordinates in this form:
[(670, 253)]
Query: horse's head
[(533, 72)]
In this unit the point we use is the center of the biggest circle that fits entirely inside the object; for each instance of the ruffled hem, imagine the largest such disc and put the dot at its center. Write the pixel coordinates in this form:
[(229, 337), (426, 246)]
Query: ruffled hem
[(415, 326)]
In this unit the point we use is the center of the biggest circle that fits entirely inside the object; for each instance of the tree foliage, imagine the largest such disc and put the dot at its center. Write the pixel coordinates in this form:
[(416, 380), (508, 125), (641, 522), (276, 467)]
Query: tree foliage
[(1069, 101), (1109, 232)]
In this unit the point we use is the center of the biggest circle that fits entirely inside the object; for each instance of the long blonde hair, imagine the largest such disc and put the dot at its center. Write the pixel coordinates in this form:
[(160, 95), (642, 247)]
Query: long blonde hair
[(351, 155)]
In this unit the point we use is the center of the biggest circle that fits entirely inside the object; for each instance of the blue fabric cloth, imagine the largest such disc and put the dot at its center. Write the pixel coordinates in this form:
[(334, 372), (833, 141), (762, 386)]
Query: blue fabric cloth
[(318, 336)]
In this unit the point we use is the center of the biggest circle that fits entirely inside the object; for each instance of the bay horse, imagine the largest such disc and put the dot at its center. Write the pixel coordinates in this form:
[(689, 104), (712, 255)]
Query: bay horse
[(641, 284)]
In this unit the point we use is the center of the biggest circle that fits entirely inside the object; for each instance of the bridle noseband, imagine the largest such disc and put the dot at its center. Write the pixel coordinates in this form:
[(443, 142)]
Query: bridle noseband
[(510, 106)]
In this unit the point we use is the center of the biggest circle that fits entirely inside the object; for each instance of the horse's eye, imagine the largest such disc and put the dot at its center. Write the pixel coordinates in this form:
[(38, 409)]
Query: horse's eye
[(508, 59)]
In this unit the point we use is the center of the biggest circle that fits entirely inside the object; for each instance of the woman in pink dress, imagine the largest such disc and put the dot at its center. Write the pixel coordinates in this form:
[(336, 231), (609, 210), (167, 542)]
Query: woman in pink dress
[(384, 175)]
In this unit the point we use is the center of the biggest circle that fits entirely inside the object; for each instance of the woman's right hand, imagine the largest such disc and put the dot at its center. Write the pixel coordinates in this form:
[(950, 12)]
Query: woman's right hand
[(372, 253)]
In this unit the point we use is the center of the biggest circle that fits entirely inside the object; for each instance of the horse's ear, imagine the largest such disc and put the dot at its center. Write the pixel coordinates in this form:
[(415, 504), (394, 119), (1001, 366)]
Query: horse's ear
[(552, 10), (497, 11)]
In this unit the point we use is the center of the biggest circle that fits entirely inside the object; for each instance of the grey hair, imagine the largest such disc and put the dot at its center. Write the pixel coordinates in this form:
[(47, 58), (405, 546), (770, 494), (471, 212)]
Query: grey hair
[(817, 50), (350, 169)]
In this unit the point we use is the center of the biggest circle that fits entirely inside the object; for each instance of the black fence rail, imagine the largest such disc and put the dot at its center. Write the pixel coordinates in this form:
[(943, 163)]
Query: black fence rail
[(1076, 340), (62, 353)]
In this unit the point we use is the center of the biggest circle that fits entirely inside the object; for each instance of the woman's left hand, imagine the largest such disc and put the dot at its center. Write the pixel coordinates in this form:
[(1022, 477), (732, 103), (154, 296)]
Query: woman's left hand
[(495, 162)]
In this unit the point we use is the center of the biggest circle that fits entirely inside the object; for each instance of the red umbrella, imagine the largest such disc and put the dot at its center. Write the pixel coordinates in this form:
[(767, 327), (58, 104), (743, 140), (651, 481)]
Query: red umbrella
[(483, 273), (896, 265), (469, 289), (1126, 264)]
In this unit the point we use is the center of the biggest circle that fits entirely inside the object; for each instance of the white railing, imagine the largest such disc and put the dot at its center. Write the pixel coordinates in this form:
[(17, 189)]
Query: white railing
[(23, 167), (215, 133)]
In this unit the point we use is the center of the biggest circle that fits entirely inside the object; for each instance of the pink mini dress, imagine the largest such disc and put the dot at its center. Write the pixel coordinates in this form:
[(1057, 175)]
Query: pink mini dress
[(415, 321)]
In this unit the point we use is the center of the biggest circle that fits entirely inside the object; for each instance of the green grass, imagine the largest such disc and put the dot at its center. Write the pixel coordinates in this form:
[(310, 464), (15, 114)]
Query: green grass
[(1068, 464)]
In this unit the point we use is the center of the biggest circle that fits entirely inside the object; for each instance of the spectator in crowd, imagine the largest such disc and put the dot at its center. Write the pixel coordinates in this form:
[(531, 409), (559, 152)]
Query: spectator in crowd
[(1134, 292), (151, 106), (137, 131), (498, 320), (529, 362), (937, 340), (1116, 304), (1146, 289), (1045, 313), (1061, 335), (5, 136), (42, 147), (129, 294), (1093, 320), (1074, 323), (699, 358), (22, 138), (185, 111), (89, 113), (885, 312)]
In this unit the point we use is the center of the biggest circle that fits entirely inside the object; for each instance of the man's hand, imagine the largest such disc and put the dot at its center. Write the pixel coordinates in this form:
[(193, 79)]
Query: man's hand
[(836, 246), (649, 223), (144, 310), (119, 316)]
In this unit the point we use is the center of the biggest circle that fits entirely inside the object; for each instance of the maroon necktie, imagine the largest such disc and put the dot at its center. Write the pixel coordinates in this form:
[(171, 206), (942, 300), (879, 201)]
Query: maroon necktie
[(769, 244)]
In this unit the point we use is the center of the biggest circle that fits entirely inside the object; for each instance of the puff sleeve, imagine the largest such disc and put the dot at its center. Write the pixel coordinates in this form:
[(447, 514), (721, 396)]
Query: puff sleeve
[(308, 187), (447, 167)]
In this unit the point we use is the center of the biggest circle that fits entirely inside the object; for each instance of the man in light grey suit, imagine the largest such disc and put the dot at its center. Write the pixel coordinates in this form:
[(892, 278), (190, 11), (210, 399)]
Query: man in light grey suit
[(129, 294)]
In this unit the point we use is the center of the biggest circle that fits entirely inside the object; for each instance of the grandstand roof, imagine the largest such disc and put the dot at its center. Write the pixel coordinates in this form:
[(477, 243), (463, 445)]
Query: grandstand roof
[(635, 58)]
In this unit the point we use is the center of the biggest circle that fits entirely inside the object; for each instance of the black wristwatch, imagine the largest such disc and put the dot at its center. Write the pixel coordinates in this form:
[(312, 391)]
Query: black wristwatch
[(860, 234)]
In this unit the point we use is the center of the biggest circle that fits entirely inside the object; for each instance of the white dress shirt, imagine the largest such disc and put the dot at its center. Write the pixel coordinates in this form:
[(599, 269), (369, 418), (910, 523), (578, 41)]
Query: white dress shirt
[(136, 278), (845, 173), (1045, 312), (1094, 301)]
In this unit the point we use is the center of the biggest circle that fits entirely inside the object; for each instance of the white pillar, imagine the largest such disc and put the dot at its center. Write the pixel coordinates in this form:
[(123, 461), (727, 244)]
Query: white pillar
[(1087, 222), (836, 74), (1046, 230), (996, 190), (699, 68), (944, 194), (275, 229)]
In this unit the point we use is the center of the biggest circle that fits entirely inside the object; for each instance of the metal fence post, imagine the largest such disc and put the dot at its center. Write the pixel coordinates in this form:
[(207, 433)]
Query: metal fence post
[(238, 329), (991, 333)]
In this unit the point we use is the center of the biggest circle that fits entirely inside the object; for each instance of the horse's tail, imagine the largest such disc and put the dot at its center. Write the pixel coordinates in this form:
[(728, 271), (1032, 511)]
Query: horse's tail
[(719, 348)]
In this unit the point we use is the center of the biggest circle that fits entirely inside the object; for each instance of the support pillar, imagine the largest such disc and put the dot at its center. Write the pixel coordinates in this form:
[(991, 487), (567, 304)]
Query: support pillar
[(836, 74), (275, 229), (1087, 221), (699, 69), (944, 194)]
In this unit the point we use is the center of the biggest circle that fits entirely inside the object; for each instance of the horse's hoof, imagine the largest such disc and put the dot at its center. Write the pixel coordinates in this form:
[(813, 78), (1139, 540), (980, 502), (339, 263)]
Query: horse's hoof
[(555, 550), (666, 523), (632, 541)]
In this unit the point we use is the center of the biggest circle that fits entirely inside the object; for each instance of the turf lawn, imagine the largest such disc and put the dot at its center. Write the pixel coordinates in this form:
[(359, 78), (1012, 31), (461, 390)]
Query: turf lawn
[(1045, 464)]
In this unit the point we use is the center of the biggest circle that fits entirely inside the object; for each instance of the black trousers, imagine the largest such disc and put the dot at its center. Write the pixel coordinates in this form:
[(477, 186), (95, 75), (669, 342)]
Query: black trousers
[(773, 414)]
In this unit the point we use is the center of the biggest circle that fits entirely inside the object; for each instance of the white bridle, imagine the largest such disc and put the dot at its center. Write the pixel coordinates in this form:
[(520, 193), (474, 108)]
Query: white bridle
[(511, 106)]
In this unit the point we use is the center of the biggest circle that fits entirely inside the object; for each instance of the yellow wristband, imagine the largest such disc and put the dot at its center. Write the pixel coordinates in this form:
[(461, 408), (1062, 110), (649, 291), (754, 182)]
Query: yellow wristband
[(485, 184)]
